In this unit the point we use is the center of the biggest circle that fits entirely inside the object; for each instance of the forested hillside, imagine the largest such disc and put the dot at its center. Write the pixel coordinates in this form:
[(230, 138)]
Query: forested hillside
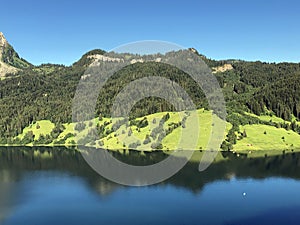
[(45, 92)]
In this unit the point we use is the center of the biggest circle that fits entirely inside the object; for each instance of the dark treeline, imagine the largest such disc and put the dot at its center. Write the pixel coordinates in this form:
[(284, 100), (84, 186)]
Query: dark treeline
[(282, 97), (151, 104), (274, 87), (30, 97)]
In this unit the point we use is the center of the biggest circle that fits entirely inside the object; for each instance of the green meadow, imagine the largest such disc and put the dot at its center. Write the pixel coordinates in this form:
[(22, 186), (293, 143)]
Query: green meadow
[(263, 137), (162, 131)]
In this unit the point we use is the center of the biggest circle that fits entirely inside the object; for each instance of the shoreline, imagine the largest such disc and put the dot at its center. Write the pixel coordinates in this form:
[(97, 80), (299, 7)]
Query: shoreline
[(77, 147)]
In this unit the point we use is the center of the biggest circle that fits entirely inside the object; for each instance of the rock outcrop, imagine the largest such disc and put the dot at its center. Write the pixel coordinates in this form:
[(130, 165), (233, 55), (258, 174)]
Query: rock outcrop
[(3, 44), (5, 68)]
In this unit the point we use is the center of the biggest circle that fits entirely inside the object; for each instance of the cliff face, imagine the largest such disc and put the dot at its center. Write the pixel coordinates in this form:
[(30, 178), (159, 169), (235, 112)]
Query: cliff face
[(2, 40), (3, 44)]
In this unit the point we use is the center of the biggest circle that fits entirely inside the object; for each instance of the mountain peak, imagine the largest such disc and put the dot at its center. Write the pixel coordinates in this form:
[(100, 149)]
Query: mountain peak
[(10, 62), (3, 40)]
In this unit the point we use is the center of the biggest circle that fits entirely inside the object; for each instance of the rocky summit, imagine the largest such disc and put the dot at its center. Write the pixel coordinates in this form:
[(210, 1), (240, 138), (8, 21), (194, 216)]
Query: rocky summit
[(3, 43)]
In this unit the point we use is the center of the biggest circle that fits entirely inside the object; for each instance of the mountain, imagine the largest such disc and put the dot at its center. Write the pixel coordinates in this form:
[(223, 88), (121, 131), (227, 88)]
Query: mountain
[(10, 62), (256, 94), (4, 68)]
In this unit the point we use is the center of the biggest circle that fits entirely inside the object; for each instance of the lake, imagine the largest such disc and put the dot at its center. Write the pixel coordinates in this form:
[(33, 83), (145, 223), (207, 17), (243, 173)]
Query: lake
[(56, 186)]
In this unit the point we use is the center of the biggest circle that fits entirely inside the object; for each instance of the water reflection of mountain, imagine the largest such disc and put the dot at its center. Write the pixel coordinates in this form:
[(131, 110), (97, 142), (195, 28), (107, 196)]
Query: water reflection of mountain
[(15, 160)]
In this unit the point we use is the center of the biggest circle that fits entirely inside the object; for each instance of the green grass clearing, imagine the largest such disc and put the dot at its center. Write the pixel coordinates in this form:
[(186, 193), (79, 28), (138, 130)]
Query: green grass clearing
[(263, 137)]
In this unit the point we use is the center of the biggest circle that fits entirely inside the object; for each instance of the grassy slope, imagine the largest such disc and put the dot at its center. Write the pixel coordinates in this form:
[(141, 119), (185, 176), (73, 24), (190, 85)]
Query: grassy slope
[(255, 140), (263, 137), (171, 141), (272, 118), (117, 139), (46, 127)]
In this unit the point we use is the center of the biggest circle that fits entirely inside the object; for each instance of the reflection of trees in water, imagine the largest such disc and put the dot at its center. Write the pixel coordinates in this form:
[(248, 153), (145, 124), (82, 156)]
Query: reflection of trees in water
[(15, 160), (60, 159), (285, 165), (7, 192)]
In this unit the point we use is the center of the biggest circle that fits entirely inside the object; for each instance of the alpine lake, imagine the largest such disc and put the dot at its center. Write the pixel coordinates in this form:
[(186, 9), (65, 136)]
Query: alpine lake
[(55, 185)]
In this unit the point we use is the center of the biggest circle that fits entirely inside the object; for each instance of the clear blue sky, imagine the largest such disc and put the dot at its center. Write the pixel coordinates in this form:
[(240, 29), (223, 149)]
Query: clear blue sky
[(60, 31)]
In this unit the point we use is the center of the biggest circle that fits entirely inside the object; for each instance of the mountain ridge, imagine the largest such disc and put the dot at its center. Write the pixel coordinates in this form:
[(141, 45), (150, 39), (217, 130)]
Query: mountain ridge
[(216, 65)]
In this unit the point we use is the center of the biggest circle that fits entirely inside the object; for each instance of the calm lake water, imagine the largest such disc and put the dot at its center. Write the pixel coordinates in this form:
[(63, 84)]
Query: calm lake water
[(56, 186)]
